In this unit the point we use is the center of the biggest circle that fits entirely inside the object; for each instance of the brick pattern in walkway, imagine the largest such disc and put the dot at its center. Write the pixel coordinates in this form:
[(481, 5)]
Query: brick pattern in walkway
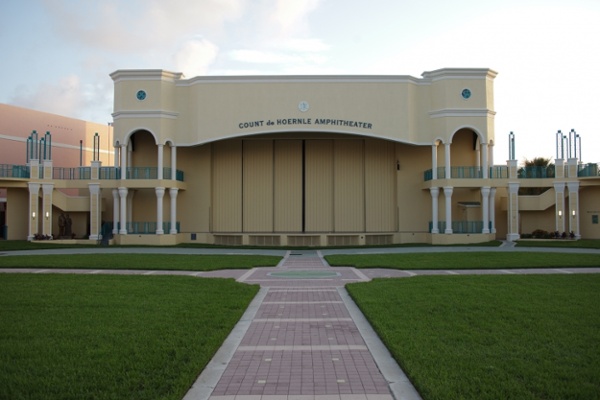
[(302, 343)]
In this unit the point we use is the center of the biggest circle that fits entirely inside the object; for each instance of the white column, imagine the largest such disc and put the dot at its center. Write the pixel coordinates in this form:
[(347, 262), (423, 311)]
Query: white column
[(491, 154), (115, 194), (434, 162), (448, 195), (447, 160), (173, 162), (493, 210), (485, 202), (173, 193), (160, 193), (123, 161), (130, 205), (484, 162), (160, 162), (123, 194), (47, 189), (561, 215), (513, 211), (34, 204), (435, 192), (574, 208), (95, 202)]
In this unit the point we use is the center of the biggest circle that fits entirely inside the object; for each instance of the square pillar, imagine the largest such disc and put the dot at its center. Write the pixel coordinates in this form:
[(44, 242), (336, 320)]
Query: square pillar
[(513, 211), (173, 193), (34, 199), (435, 192), (47, 189), (448, 195), (160, 193), (560, 213), (95, 211), (574, 208)]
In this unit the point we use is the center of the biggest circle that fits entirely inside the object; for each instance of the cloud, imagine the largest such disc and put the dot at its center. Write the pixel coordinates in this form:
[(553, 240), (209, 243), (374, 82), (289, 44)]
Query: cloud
[(138, 25), (67, 97), (195, 56), (290, 16), (63, 97)]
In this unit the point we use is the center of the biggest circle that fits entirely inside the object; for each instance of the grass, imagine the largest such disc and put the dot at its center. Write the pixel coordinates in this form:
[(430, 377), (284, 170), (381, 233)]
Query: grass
[(9, 245), (491, 337), (140, 261), (471, 260), (111, 337), (574, 244)]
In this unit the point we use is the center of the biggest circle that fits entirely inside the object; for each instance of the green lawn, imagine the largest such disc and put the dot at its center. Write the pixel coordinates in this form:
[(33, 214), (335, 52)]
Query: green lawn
[(466, 260), (574, 244), (491, 337), (140, 261), (111, 337)]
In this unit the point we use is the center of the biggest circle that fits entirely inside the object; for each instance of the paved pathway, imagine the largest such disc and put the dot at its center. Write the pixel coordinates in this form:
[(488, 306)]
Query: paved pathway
[(303, 338)]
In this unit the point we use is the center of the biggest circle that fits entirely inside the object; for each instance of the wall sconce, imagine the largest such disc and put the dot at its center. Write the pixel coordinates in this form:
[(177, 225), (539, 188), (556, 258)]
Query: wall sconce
[(573, 212), (47, 215), (560, 213), (397, 165), (33, 215)]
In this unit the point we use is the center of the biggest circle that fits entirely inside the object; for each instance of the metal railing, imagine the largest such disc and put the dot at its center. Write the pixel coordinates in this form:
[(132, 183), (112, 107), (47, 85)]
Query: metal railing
[(85, 173), (14, 171), (460, 226), (536, 172), (588, 170), (148, 227)]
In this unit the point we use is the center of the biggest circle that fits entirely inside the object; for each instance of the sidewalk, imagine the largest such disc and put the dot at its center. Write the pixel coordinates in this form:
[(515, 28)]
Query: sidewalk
[(302, 338)]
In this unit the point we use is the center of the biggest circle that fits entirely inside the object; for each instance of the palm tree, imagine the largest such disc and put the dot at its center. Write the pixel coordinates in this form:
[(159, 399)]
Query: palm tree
[(539, 167)]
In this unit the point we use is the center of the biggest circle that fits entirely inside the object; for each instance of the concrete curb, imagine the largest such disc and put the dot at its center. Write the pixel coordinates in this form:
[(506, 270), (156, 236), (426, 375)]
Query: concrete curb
[(208, 379)]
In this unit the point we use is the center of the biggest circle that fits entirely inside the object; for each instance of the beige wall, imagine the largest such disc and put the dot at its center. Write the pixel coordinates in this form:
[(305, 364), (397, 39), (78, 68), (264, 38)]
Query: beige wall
[(399, 108)]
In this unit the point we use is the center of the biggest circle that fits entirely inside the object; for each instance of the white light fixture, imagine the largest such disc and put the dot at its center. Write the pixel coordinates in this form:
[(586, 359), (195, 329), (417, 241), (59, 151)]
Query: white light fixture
[(33, 215), (560, 213), (47, 215), (573, 212)]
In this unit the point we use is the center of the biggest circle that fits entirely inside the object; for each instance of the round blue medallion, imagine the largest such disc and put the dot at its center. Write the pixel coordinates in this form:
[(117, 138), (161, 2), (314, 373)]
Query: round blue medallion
[(466, 93), (141, 95)]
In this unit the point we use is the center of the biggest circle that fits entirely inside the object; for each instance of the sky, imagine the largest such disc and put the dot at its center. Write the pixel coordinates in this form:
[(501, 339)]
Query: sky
[(57, 54)]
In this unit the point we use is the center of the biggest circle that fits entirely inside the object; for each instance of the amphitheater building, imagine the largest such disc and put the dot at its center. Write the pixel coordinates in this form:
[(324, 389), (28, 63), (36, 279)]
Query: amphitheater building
[(292, 161)]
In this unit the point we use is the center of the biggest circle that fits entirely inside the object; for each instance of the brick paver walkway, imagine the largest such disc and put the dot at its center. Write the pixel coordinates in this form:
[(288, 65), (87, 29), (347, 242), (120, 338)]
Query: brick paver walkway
[(302, 343)]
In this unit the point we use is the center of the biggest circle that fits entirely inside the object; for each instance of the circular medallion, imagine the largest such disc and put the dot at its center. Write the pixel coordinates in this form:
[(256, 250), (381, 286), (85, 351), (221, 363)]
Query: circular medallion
[(466, 94), (141, 95), (303, 106)]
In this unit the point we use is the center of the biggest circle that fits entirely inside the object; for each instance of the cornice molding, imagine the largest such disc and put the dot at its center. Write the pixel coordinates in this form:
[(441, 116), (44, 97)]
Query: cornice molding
[(145, 114), (460, 112)]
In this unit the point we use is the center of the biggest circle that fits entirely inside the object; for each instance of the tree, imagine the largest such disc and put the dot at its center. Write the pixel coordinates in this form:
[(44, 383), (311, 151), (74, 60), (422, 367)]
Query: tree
[(539, 167)]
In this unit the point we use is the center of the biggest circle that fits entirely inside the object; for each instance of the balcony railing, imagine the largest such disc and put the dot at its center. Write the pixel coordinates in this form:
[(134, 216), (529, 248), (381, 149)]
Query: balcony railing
[(148, 227), (85, 173), (14, 171), (588, 170), (536, 172), (495, 172), (460, 226), (72, 174)]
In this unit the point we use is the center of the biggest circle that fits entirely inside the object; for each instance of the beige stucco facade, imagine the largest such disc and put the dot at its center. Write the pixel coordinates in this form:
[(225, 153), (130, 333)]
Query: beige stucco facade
[(313, 160)]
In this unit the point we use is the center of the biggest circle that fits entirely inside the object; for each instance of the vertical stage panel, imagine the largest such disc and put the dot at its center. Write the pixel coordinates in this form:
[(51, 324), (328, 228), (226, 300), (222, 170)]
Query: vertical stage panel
[(227, 186), (318, 190), (288, 186), (258, 186), (349, 186), (380, 186)]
